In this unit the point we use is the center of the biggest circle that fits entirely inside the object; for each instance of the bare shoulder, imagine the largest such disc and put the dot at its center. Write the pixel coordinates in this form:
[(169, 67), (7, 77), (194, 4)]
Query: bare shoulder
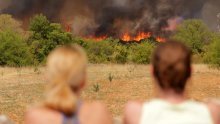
[(95, 113), (39, 115), (133, 106), (94, 104), (32, 115), (132, 112), (96, 107), (214, 107)]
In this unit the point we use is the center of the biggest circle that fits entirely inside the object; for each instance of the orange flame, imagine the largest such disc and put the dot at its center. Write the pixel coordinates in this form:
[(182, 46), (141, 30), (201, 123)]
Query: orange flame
[(67, 28), (140, 36), (160, 39), (98, 38), (126, 37)]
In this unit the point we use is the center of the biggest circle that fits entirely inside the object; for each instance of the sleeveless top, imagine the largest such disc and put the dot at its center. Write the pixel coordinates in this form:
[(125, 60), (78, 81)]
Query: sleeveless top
[(74, 119), (161, 112)]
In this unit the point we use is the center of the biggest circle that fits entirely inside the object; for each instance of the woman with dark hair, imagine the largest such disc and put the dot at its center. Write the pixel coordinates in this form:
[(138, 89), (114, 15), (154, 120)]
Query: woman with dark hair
[(171, 69), (66, 74)]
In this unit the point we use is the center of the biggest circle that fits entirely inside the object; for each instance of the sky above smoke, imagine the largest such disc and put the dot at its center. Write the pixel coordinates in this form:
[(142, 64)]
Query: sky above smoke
[(114, 17)]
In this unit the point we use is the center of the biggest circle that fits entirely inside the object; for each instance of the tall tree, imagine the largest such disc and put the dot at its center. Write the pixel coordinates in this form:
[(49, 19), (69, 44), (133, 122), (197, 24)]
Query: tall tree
[(45, 36), (9, 23), (193, 33), (212, 55), (13, 50)]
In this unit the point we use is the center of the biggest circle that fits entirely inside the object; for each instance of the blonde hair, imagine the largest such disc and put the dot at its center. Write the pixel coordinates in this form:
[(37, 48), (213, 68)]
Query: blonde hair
[(66, 70)]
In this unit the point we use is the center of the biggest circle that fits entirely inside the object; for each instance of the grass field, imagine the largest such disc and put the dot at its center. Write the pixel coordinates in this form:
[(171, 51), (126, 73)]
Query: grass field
[(21, 87)]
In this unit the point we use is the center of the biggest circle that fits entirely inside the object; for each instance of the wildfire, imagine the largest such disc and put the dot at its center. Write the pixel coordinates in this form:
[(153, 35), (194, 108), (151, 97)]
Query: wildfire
[(160, 39), (100, 38), (126, 37), (140, 36), (67, 27), (97, 38)]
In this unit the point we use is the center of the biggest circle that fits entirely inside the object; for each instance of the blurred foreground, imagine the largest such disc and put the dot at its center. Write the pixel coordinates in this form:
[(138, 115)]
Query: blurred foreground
[(112, 84)]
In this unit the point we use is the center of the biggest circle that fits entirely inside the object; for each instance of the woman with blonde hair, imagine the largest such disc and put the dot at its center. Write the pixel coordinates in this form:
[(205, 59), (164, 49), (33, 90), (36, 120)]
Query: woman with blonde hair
[(5, 120), (66, 73), (171, 70)]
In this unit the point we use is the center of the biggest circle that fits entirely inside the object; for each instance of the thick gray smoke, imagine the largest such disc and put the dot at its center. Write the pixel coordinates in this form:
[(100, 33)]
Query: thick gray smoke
[(114, 17)]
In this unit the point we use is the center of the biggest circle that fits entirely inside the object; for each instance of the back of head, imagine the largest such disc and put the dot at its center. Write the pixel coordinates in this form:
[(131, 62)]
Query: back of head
[(172, 66), (66, 70)]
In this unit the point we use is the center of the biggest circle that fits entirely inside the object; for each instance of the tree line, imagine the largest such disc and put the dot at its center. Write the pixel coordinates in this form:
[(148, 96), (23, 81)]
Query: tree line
[(19, 47)]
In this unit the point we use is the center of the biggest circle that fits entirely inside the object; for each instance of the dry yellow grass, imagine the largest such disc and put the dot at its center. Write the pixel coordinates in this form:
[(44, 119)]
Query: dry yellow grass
[(20, 87)]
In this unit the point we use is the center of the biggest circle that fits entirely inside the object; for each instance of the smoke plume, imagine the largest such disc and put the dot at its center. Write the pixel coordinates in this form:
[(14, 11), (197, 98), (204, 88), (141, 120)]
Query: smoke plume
[(115, 17)]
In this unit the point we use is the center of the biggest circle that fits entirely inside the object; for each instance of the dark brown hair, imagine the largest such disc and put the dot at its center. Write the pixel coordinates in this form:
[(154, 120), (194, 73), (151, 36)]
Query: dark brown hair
[(172, 65)]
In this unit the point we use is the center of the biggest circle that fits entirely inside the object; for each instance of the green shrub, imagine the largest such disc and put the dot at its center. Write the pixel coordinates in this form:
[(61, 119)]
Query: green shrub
[(9, 23), (113, 51), (13, 50), (99, 52), (110, 77), (96, 87), (212, 55), (121, 53), (194, 33), (141, 53), (45, 37)]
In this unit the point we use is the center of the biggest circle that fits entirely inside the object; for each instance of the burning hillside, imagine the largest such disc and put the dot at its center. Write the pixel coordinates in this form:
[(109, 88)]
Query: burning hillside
[(128, 20), (126, 37), (138, 37)]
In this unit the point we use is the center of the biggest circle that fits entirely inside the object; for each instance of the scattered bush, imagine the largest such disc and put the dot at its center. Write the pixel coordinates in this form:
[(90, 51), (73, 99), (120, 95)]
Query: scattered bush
[(194, 33), (141, 53), (110, 77), (14, 50), (113, 51), (96, 87), (7, 23), (99, 52), (37, 70), (212, 55), (46, 36)]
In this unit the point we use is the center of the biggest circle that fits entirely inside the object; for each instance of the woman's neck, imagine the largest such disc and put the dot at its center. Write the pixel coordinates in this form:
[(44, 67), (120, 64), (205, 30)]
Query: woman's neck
[(171, 97)]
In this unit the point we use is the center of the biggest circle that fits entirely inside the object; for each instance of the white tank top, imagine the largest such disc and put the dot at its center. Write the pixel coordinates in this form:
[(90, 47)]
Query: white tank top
[(161, 112)]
